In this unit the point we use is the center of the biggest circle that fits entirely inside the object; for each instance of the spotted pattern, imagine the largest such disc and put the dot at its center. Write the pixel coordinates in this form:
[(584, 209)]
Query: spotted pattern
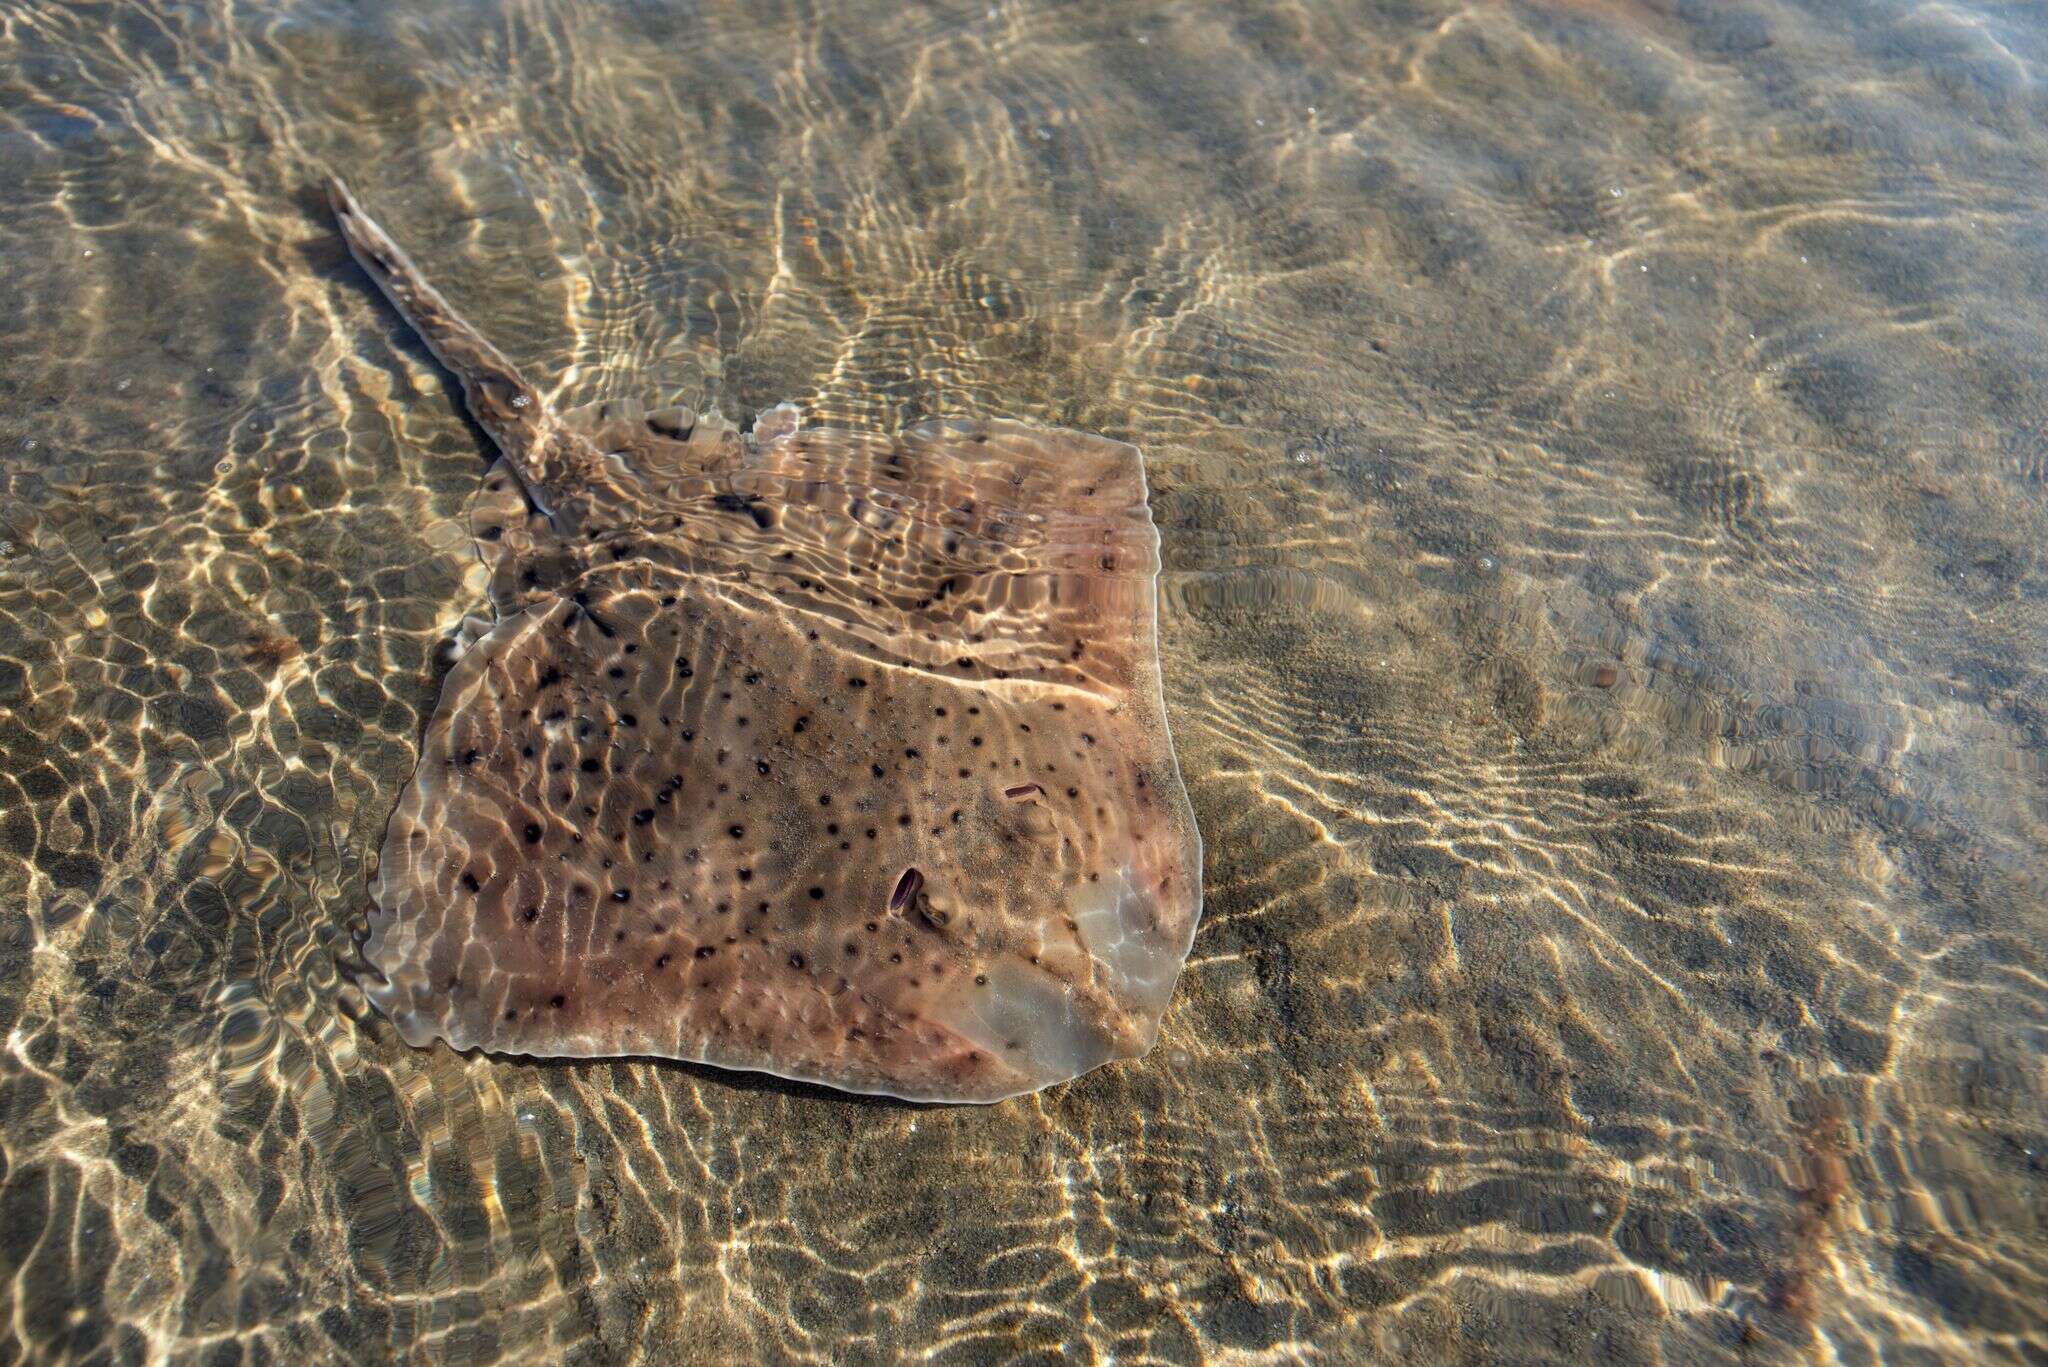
[(830, 755)]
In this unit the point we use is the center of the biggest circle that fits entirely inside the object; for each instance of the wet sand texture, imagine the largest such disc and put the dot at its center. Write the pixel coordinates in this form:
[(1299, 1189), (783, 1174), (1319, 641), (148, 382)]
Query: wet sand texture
[(1598, 458)]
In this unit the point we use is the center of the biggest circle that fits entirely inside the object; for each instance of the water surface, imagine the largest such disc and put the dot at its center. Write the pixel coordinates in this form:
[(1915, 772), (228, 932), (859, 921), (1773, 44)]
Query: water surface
[(1600, 457)]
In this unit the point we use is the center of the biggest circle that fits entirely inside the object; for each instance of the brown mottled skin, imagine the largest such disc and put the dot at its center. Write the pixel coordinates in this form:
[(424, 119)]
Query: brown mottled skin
[(832, 755)]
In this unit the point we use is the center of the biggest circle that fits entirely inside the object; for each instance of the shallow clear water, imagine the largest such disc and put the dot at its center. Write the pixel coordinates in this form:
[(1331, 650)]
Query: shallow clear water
[(1600, 458)]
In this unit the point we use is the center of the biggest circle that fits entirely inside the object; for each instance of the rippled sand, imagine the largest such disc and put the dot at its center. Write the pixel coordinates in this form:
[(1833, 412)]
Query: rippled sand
[(1600, 456)]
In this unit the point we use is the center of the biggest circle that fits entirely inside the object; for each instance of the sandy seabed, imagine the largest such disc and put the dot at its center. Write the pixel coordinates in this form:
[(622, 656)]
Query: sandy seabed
[(1599, 456)]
